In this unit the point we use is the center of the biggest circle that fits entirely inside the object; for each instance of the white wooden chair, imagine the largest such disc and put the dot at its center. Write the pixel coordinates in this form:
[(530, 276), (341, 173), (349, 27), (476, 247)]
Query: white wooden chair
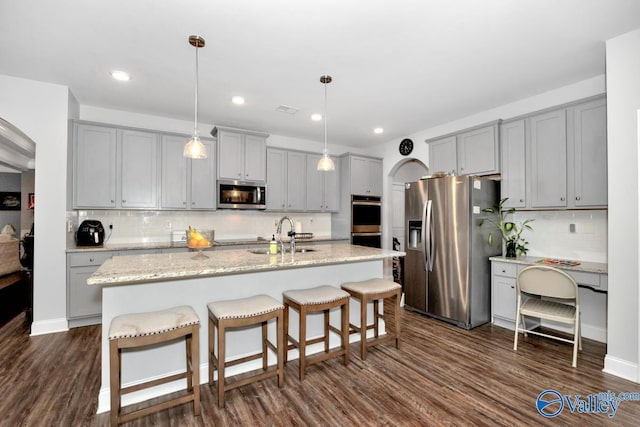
[(548, 293)]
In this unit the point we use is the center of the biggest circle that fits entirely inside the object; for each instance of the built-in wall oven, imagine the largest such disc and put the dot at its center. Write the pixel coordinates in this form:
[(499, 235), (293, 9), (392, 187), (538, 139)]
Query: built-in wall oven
[(242, 195), (366, 229)]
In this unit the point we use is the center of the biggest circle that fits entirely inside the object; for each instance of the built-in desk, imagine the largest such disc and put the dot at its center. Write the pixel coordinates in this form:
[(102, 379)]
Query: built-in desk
[(591, 277)]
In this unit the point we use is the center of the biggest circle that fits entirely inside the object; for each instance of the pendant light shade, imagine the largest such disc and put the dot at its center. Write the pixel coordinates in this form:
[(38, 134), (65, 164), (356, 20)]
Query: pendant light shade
[(194, 148), (325, 164)]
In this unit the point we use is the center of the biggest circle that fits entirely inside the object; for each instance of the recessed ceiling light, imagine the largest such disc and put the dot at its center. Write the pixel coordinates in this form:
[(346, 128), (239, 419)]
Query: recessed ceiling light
[(316, 117), (238, 100), (378, 130), (120, 76)]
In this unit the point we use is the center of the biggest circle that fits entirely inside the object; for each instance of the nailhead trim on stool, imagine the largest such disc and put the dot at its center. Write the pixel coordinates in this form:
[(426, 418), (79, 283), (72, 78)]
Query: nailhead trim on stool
[(255, 310), (137, 330), (375, 290), (319, 299)]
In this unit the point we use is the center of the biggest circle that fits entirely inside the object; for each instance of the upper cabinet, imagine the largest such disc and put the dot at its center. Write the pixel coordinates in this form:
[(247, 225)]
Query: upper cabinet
[(365, 175), (556, 159), (94, 166), (242, 155), (294, 183), (186, 183), (473, 152), (114, 168)]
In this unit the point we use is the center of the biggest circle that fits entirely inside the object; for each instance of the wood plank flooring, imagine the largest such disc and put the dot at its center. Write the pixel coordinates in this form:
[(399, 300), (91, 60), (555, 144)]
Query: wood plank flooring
[(442, 375)]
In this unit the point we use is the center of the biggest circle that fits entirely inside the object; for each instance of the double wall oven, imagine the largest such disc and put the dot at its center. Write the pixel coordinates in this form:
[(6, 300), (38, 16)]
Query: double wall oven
[(366, 229)]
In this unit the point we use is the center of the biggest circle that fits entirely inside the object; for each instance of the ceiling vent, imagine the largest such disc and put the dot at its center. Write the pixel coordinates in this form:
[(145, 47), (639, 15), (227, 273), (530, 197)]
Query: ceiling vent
[(287, 109)]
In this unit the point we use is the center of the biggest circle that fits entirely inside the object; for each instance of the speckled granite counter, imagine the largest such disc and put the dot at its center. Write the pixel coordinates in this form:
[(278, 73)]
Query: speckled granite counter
[(157, 267), (590, 267), (216, 244), (142, 283)]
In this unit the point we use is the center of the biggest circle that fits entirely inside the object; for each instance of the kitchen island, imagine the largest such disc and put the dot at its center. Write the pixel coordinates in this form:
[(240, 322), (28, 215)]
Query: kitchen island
[(139, 283)]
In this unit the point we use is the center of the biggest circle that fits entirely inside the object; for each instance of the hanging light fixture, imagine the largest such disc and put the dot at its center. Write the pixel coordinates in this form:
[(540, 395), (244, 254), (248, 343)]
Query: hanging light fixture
[(194, 148), (325, 164)]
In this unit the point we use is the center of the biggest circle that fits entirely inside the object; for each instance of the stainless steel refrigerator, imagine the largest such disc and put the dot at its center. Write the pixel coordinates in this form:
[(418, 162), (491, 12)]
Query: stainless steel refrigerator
[(447, 269)]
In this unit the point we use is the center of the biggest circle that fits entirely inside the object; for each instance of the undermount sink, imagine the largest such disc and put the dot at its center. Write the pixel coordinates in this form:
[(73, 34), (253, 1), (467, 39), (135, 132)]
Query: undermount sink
[(265, 251)]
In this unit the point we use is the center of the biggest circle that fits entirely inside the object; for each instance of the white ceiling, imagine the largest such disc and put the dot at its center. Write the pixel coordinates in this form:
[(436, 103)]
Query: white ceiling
[(402, 65)]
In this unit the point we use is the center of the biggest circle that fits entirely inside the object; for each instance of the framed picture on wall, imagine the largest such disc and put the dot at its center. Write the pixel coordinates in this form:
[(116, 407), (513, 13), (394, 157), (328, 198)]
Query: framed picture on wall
[(9, 201), (32, 201)]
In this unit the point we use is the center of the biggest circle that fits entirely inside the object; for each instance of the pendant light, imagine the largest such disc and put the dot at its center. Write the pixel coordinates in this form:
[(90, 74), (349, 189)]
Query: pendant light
[(325, 164), (194, 148)]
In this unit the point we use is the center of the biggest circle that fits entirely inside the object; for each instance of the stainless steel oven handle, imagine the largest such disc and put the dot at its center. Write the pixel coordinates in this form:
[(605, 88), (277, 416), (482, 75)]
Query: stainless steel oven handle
[(366, 234), (259, 195), (366, 203)]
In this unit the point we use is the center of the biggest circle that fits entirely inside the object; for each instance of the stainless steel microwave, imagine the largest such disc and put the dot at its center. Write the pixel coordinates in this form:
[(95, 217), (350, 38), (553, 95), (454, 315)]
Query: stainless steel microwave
[(242, 195)]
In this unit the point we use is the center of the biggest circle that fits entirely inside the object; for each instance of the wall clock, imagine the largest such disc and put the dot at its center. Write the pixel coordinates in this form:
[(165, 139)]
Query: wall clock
[(406, 147)]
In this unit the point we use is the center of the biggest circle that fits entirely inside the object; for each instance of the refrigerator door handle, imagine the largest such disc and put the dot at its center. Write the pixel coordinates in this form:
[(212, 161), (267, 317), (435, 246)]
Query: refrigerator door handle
[(426, 235), (431, 236)]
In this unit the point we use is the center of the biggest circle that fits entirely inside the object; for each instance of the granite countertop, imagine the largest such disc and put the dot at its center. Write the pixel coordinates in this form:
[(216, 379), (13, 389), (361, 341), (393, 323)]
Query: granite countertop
[(168, 245), (586, 266), (157, 267)]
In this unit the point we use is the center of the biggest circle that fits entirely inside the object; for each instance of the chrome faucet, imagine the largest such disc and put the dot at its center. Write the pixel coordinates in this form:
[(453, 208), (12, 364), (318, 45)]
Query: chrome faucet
[(291, 233)]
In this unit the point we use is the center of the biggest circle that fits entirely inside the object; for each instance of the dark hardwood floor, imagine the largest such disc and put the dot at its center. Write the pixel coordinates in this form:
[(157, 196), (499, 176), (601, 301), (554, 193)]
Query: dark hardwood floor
[(442, 375)]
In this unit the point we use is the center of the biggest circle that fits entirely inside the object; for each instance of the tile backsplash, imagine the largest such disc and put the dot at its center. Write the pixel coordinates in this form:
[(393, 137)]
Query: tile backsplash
[(552, 234), (157, 226)]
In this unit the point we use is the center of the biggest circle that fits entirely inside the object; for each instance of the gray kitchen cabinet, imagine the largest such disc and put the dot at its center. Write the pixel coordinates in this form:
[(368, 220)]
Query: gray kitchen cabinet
[(94, 166), (366, 175), (139, 169), (504, 295), (84, 302), (478, 151), (241, 154), (322, 189), (588, 162), (186, 183), (513, 169), (276, 179), (442, 155), (296, 181), (475, 151), (547, 154)]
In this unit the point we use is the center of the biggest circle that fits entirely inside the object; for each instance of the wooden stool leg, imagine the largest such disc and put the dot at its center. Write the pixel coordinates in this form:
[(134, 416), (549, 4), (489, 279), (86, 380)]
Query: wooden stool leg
[(344, 317), (211, 356), (302, 340), (195, 368), (285, 321), (281, 348), (363, 328), (376, 317), (265, 352), (326, 331), (187, 341), (221, 351), (114, 380), (396, 316)]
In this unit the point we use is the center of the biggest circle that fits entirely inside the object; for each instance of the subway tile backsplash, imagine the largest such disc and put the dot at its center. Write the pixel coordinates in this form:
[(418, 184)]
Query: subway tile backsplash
[(157, 226), (552, 236)]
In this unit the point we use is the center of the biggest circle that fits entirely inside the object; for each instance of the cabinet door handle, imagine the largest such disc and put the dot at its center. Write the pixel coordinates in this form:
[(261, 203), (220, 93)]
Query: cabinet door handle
[(562, 199), (90, 259), (504, 271), (521, 200), (577, 197), (513, 287), (113, 201)]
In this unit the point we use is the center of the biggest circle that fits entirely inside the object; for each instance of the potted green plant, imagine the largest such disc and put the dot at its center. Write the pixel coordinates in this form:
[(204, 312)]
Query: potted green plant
[(510, 231)]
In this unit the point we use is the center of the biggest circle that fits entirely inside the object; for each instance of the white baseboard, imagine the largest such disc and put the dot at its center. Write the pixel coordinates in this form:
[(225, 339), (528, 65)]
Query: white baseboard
[(621, 368), (50, 326)]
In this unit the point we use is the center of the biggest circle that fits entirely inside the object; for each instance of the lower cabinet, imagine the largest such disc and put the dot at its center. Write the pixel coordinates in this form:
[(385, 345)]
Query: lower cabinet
[(503, 294), (84, 302)]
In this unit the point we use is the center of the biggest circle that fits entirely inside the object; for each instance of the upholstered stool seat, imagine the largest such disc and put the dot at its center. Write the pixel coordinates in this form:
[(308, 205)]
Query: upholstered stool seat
[(375, 290), (320, 299), (255, 310), (137, 330)]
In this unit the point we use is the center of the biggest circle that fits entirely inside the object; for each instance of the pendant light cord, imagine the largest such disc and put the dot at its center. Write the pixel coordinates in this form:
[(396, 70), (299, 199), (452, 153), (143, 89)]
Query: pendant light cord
[(326, 149), (195, 125)]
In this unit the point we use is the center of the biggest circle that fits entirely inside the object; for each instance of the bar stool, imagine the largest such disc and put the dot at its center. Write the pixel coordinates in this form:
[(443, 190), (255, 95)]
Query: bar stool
[(138, 330), (374, 290), (239, 313), (305, 301)]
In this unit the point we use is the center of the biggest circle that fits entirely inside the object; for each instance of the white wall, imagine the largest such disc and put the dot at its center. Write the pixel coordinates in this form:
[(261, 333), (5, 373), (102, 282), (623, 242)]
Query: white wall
[(623, 103), (41, 110)]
